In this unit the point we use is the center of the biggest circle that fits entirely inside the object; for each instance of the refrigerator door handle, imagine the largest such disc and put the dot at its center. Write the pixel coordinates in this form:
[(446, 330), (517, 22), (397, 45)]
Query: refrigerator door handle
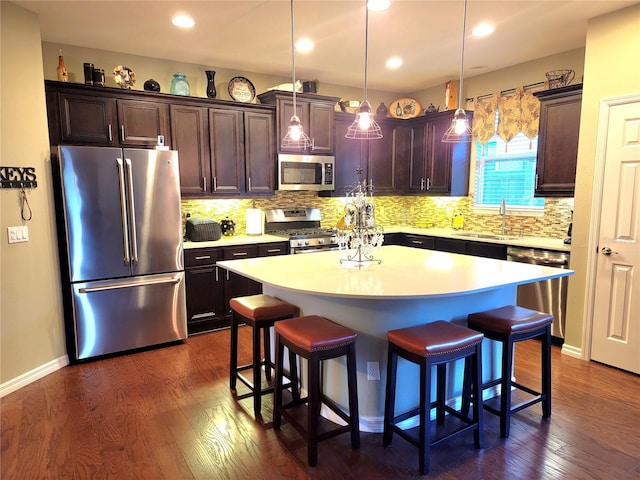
[(118, 285), (132, 213), (123, 213)]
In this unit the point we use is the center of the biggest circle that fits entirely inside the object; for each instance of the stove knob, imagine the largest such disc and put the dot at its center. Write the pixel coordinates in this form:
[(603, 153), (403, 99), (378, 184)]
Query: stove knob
[(306, 242), (321, 241)]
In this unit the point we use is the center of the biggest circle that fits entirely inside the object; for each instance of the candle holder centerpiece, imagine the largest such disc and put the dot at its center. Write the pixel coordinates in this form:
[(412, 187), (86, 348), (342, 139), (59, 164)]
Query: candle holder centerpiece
[(358, 233)]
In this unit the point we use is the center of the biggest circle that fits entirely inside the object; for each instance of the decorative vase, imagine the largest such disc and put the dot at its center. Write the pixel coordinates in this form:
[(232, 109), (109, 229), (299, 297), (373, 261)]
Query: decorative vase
[(151, 85), (180, 84), (382, 110), (211, 85)]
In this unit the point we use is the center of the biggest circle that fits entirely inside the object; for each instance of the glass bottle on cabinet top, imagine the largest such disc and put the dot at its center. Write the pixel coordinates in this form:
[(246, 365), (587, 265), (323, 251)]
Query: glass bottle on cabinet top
[(63, 76), (180, 84)]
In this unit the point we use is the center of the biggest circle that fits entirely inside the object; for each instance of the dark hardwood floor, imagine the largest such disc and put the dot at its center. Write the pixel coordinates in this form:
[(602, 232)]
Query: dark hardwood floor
[(168, 414)]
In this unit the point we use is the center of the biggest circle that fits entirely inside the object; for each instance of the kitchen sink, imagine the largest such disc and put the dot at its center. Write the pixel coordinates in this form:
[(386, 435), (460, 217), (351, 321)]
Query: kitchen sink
[(491, 236)]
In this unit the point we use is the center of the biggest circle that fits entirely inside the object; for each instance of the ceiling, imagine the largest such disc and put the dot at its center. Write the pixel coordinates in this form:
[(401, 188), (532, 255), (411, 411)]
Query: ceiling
[(255, 36)]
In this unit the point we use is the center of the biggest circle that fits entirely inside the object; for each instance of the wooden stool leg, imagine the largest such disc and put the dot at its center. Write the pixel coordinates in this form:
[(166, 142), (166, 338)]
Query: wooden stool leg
[(267, 352), (277, 389), (233, 360), (293, 375), (313, 410), (257, 376), (352, 381), (424, 439), (476, 369), (390, 396), (546, 372), (467, 385), (505, 389), (441, 391)]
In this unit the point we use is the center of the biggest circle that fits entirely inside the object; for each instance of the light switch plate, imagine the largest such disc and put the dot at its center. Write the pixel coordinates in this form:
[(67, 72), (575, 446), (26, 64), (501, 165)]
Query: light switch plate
[(18, 234)]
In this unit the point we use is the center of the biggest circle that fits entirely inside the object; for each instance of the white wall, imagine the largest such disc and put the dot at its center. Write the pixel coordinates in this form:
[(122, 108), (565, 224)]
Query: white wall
[(612, 68), (31, 333)]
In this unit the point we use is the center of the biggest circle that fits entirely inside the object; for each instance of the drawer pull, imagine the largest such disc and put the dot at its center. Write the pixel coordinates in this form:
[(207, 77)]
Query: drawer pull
[(417, 242), (203, 257), (240, 254), (273, 250)]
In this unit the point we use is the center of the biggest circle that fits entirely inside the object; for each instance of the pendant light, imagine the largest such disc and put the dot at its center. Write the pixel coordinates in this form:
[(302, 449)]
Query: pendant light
[(459, 130), (364, 127), (295, 137)]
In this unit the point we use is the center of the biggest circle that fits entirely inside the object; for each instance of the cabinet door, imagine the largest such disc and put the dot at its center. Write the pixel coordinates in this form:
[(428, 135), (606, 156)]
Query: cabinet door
[(191, 140), (451, 245), (487, 250), (273, 249), (141, 122), (385, 155), (348, 157), (284, 107), (227, 152), (416, 179), (260, 158), (558, 143), (321, 127), (88, 120), (205, 299), (438, 166), (237, 285)]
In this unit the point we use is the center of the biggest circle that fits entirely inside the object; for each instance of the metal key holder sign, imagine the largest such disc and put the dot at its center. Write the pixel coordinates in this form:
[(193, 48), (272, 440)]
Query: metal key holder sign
[(18, 177)]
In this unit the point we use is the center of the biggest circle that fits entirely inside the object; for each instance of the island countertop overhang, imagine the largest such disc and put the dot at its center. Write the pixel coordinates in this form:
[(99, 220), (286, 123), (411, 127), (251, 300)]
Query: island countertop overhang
[(404, 273)]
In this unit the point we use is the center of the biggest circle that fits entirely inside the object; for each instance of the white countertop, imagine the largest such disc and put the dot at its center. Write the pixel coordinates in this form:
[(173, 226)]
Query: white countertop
[(530, 242), (512, 240), (228, 241), (405, 272)]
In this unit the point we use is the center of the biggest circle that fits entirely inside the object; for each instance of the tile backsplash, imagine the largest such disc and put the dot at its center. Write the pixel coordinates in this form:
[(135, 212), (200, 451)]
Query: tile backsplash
[(394, 210)]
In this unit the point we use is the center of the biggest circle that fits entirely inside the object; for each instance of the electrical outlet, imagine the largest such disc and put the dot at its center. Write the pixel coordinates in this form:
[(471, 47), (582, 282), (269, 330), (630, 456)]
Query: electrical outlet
[(373, 371), (18, 234)]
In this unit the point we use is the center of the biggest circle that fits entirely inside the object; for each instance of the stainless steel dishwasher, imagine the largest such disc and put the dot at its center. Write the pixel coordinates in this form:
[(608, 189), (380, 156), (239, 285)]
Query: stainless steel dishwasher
[(549, 295)]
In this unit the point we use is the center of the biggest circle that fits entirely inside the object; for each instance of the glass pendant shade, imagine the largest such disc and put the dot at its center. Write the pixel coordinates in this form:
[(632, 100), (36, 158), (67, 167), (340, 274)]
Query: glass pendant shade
[(364, 127), (295, 137), (459, 131)]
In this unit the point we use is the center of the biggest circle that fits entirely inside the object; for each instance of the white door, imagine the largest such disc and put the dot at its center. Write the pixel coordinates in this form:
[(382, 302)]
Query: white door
[(615, 338)]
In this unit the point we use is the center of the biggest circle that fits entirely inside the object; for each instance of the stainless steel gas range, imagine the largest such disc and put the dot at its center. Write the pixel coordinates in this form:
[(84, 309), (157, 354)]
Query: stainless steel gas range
[(302, 227)]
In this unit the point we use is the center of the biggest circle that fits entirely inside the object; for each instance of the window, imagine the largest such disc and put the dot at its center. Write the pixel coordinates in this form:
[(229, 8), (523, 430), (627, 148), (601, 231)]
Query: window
[(507, 170)]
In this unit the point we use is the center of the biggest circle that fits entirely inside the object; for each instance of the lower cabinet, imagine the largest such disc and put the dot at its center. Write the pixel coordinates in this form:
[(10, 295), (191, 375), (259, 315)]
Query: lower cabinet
[(497, 251), (209, 287)]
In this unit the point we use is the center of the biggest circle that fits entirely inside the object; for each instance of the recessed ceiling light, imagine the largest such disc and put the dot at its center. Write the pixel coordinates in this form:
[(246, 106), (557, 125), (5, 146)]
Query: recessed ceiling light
[(183, 21), (482, 30), (304, 45), (394, 62), (377, 5)]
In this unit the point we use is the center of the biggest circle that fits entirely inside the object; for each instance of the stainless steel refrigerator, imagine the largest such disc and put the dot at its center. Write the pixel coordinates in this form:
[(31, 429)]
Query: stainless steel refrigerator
[(120, 243)]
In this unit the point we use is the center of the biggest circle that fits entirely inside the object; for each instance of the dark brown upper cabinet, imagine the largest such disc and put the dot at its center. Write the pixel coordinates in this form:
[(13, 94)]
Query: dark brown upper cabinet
[(558, 141), (316, 113)]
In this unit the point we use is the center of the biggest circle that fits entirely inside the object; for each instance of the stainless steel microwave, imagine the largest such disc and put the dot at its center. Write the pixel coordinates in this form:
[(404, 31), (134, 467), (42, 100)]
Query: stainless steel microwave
[(305, 172)]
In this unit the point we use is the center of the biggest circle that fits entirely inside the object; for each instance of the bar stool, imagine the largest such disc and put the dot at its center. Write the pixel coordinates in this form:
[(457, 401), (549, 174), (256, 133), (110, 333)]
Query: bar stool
[(508, 325), (316, 339), (436, 343), (260, 312)]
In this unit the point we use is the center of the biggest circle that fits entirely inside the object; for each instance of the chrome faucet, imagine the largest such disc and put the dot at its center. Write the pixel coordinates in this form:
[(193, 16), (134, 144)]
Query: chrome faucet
[(503, 212)]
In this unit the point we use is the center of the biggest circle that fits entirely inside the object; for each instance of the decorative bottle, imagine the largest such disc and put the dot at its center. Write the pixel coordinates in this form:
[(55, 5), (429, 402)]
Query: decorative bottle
[(63, 76), (180, 84), (211, 85)]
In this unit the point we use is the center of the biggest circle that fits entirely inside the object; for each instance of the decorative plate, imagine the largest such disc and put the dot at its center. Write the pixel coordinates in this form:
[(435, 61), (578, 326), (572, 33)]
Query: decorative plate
[(405, 108), (124, 76), (242, 90)]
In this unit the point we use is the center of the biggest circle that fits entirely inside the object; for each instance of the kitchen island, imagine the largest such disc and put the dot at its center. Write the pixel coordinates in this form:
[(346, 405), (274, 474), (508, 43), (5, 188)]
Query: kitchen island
[(409, 287)]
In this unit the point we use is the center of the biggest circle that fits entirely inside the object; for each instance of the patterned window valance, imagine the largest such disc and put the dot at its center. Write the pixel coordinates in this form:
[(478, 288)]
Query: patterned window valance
[(519, 112)]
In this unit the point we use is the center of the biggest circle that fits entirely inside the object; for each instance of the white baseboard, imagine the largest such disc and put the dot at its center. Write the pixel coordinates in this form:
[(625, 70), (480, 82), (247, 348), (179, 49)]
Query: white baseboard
[(33, 375), (572, 351)]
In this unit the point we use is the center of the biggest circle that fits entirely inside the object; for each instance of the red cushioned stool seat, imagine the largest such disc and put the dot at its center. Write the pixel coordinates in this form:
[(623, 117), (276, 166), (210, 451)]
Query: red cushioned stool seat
[(316, 339), (508, 325), (260, 312), (432, 344)]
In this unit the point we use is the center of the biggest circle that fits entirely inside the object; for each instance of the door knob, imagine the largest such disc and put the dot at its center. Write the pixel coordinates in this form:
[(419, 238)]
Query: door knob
[(607, 251)]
